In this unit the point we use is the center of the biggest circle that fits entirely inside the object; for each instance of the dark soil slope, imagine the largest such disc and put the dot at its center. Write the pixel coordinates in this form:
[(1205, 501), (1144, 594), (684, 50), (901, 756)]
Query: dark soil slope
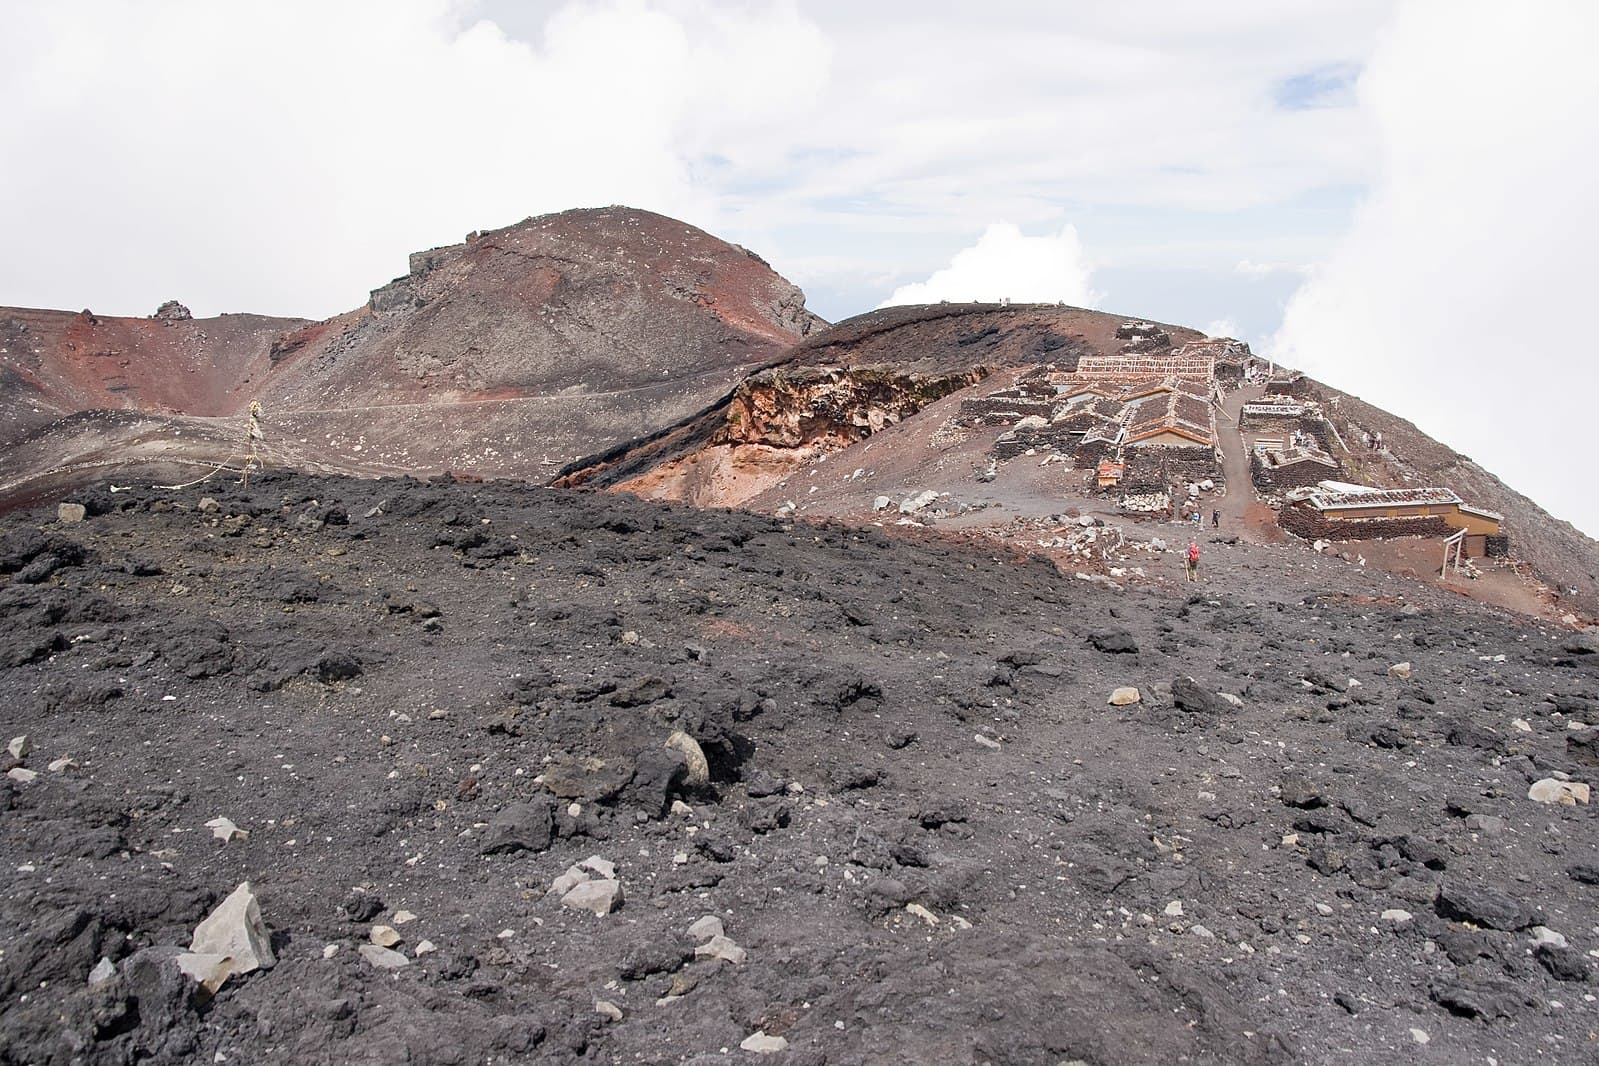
[(926, 834)]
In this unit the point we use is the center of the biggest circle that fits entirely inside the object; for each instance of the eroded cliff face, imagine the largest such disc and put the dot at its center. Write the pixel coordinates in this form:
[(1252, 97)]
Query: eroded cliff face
[(775, 422)]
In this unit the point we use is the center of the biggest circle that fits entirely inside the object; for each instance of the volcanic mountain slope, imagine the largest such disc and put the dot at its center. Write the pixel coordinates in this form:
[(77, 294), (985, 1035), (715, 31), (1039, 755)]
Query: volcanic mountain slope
[(519, 349), (886, 767), (844, 384), (617, 348)]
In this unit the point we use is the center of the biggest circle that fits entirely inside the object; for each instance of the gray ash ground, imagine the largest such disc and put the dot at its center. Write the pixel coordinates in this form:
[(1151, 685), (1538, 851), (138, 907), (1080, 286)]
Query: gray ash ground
[(371, 676)]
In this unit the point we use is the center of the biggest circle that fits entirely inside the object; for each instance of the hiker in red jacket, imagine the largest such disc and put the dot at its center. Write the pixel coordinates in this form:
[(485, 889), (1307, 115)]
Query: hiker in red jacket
[(1193, 560)]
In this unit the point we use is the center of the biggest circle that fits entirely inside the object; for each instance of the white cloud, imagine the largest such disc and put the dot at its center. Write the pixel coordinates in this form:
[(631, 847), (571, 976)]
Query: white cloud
[(1006, 264), (1221, 327), (285, 157), (1458, 297)]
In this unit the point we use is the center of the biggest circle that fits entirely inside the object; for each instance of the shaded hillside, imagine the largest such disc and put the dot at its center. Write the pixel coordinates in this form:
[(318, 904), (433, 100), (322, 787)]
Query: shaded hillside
[(505, 356), (1562, 554)]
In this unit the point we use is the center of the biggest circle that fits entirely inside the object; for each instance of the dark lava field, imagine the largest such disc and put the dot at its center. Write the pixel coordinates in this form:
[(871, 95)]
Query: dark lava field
[(886, 767)]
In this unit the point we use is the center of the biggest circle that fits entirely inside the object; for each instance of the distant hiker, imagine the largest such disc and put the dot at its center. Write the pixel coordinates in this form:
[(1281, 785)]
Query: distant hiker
[(1215, 520), (1193, 560)]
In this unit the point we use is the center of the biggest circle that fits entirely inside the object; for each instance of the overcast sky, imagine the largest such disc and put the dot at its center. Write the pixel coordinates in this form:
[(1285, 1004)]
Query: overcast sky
[(1394, 194)]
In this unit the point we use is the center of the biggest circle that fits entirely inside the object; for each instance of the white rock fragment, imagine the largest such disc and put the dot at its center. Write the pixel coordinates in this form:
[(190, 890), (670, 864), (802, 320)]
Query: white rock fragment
[(882, 503), (384, 936), (1401, 671), (224, 830), (682, 809), (426, 947), (1324, 910), (604, 867), (1420, 1036), (987, 742), (1202, 932), (21, 775), (1551, 790), (699, 771), (20, 746), (1542, 934), (70, 513), (329, 950), (1521, 725), (721, 947), (1232, 698), (401, 917), (1174, 909), (1396, 915), (921, 912), (232, 940), (207, 969), (1123, 696), (761, 1044), (601, 896), (705, 928), (383, 958), (608, 1010), (66, 762), (103, 971), (569, 880)]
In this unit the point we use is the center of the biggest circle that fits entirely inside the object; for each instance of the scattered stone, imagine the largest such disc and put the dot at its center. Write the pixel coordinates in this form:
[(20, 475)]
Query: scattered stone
[(721, 947), (224, 830), (1113, 641), (988, 742), (401, 917), (1188, 695), (426, 947), (761, 1044), (1123, 696), (608, 1010), (1552, 790), (1174, 909), (233, 940), (21, 775), (705, 928), (208, 505), (20, 747), (1396, 915), (384, 936), (699, 770), (601, 896), (1420, 1036), (70, 513), (64, 763), (1480, 905), (682, 809), (521, 827), (103, 971), (329, 950), (604, 867), (882, 503), (569, 880), (921, 912), (1401, 671), (1542, 934), (1202, 932), (383, 958)]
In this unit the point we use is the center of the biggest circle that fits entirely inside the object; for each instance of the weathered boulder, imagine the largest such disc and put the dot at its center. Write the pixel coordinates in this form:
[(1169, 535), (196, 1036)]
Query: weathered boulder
[(233, 933), (521, 827)]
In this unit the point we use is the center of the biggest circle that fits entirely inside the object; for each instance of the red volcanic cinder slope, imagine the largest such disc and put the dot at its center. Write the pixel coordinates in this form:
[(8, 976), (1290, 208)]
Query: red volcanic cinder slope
[(520, 349)]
